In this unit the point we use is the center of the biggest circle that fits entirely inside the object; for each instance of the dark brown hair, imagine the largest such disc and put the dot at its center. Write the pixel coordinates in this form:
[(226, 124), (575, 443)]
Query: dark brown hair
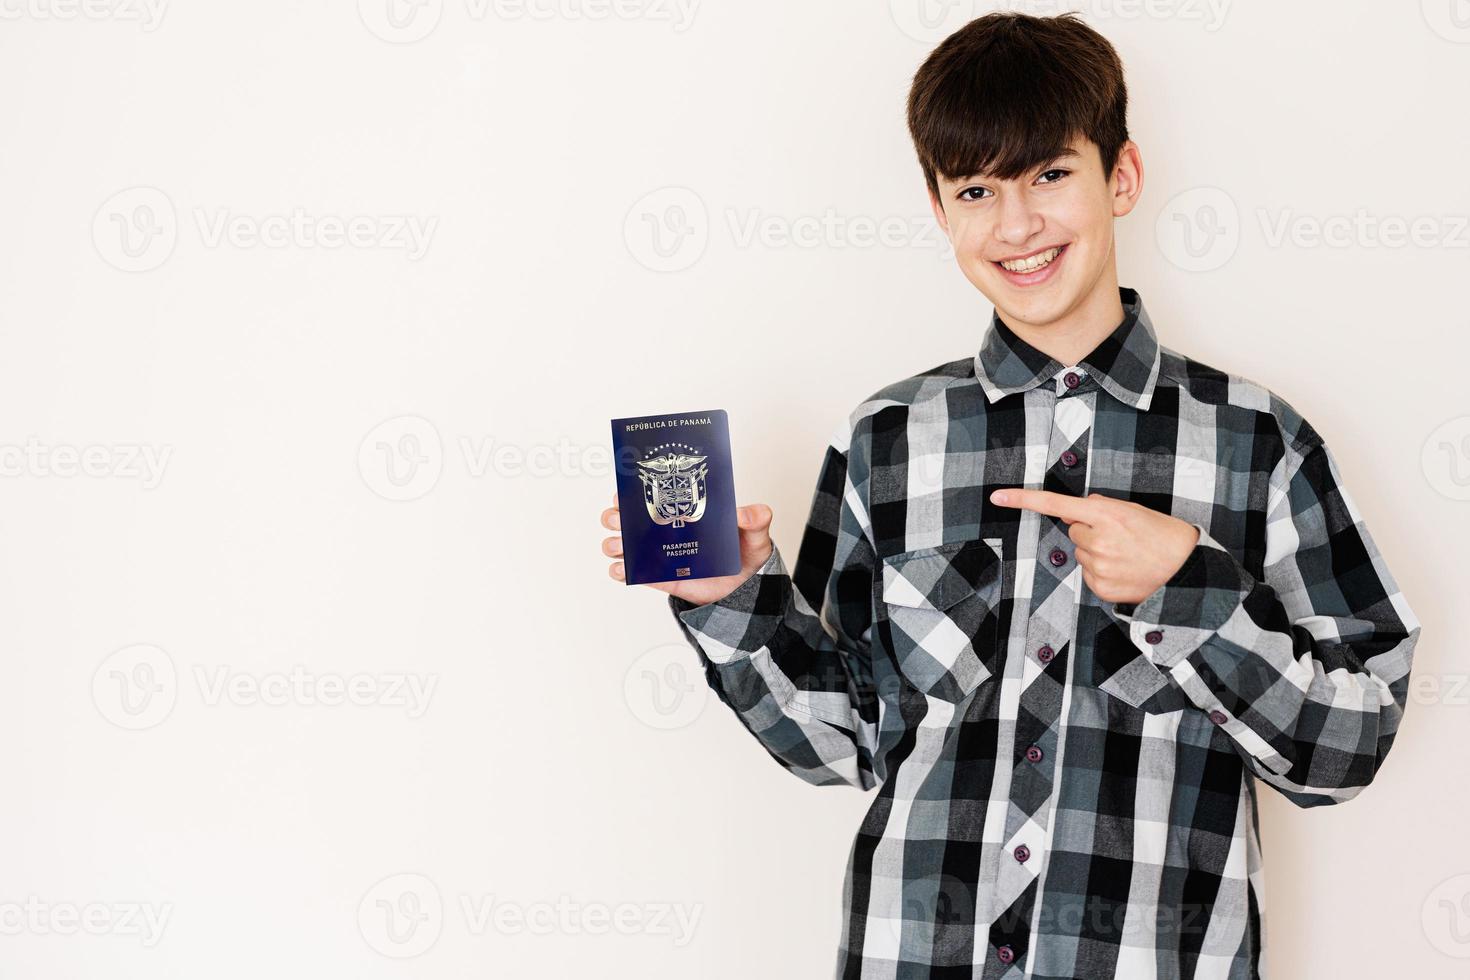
[(1008, 91)]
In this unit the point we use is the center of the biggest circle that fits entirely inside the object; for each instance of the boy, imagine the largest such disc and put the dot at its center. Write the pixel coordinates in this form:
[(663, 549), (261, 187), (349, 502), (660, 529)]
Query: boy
[(1064, 601)]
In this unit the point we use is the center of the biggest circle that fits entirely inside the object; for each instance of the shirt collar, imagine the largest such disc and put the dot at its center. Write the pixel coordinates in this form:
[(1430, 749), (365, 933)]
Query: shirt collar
[(1125, 363)]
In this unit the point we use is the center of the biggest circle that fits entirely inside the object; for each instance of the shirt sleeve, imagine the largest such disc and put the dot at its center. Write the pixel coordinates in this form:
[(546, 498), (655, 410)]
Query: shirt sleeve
[(790, 654), (1307, 668)]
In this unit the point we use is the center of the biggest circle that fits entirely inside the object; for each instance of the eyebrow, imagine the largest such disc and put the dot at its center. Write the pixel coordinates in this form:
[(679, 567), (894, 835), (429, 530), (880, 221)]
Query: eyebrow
[(1064, 155)]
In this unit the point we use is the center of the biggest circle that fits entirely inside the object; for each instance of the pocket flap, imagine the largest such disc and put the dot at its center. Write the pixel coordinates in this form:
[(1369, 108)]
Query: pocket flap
[(939, 577), (1123, 671)]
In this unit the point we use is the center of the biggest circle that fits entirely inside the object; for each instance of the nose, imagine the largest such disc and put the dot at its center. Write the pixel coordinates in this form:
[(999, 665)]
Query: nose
[(1016, 221)]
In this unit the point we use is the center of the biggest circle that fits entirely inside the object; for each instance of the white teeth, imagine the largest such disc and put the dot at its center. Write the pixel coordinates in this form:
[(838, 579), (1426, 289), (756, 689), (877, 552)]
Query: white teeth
[(1034, 262)]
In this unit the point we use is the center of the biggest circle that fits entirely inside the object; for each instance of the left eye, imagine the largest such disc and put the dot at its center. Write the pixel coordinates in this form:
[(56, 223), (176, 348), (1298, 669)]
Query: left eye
[(1060, 174)]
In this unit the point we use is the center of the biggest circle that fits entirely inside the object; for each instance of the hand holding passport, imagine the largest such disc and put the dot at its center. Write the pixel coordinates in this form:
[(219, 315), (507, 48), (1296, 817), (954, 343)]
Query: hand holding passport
[(681, 531)]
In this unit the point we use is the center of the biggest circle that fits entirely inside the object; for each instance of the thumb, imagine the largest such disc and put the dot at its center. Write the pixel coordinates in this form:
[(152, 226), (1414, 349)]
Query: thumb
[(754, 521)]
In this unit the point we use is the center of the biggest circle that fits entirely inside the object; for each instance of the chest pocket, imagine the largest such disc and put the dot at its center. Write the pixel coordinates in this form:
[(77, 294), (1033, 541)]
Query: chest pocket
[(939, 610)]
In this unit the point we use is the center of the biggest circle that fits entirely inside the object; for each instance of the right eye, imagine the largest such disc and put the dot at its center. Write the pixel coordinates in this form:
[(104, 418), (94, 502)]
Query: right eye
[(972, 193)]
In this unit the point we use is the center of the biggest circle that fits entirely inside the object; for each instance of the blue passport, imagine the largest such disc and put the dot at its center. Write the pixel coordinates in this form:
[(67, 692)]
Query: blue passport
[(676, 496)]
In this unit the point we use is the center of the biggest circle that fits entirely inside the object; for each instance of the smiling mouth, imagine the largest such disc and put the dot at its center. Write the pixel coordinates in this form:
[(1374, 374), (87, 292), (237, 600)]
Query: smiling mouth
[(1032, 263)]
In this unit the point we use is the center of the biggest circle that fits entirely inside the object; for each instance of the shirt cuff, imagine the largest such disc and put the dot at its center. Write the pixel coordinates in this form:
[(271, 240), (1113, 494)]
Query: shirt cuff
[(743, 620), (1181, 615)]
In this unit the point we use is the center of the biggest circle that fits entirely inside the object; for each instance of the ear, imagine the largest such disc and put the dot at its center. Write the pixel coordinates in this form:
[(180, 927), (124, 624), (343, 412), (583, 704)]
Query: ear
[(1127, 179)]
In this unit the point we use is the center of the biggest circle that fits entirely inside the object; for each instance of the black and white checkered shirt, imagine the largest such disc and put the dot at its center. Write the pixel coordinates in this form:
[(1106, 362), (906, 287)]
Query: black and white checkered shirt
[(1066, 786)]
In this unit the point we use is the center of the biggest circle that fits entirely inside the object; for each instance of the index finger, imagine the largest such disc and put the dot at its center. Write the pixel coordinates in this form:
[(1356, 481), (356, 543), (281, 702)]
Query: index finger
[(1065, 506)]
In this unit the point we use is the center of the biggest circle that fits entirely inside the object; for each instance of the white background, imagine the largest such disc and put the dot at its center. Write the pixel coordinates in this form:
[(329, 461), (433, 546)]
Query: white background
[(326, 509)]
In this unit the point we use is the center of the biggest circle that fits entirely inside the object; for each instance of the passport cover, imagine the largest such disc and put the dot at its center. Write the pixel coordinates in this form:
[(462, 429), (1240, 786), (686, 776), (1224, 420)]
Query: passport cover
[(676, 496)]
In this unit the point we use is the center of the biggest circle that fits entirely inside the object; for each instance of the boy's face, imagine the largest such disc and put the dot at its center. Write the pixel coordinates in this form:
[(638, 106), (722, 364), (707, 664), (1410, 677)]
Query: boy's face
[(1066, 204)]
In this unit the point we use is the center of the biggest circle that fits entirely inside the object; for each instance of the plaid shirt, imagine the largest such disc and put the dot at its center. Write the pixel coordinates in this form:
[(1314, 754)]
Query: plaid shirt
[(1067, 786)]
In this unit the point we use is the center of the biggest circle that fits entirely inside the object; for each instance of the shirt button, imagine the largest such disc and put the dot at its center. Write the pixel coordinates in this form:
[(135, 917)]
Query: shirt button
[(1045, 654), (1219, 717), (1069, 458), (1033, 754), (1005, 954), (1154, 636), (1058, 557), (1072, 379), (1022, 852)]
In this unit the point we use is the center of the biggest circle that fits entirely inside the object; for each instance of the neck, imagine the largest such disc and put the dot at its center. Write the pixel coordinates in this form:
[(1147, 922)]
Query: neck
[(1076, 333)]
